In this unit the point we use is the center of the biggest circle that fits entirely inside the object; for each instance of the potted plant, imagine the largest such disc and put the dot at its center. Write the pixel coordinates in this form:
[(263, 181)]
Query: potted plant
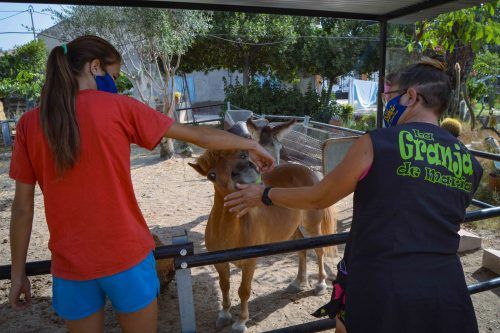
[(336, 120)]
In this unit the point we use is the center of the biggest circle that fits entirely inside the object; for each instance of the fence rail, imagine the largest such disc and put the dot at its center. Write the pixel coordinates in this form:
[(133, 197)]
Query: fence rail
[(194, 115), (477, 153), (43, 266), (481, 204), (188, 260), (184, 258), (483, 154), (200, 107), (326, 324)]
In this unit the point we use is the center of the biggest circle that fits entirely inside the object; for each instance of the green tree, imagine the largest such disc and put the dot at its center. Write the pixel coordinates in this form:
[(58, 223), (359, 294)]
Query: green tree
[(333, 48), (457, 37), (151, 41), (123, 84), (482, 83), (245, 42), (22, 71)]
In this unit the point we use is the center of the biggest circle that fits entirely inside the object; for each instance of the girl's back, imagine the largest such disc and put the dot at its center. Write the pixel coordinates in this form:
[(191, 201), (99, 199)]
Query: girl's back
[(91, 210)]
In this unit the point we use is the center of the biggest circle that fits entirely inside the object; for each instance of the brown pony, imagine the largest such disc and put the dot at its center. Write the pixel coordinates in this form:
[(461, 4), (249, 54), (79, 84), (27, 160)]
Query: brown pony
[(261, 225)]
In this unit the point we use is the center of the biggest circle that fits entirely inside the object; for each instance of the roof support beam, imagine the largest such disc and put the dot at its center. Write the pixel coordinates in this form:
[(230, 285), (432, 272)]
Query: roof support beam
[(415, 8), (381, 71)]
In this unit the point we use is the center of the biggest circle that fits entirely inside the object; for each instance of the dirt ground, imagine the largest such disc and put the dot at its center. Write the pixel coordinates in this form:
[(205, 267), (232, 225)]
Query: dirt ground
[(173, 198)]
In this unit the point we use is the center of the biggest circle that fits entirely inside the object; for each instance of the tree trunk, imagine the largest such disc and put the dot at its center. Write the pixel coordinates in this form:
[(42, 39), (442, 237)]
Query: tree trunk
[(326, 98), (418, 31), (246, 68), (464, 56), (166, 149), (466, 98), (167, 145)]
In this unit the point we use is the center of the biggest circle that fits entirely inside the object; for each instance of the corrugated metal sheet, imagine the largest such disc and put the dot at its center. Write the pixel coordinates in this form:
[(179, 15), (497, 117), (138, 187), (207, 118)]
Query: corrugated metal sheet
[(397, 11), (374, 7)]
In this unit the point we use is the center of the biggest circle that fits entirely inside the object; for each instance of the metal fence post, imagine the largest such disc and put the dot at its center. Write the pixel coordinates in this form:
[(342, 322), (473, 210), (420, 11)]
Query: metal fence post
[(185, 289), (306, 123)]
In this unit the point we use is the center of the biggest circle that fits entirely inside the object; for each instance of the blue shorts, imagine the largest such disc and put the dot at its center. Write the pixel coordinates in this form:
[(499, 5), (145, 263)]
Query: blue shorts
[(128, 291)]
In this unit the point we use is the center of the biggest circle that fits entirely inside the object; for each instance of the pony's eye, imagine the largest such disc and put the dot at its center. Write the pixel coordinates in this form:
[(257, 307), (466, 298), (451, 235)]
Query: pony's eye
[(243, 156), (211, 176)]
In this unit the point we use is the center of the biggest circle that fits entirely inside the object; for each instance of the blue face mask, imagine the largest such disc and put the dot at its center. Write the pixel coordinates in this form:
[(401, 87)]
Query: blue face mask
[(393, 111), (106, 83)]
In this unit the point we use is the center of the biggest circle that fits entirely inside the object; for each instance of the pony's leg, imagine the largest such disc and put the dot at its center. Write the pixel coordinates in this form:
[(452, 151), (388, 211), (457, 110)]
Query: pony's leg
[(223, 317), (300, 283), (244, 292), (313, 224), (320, 288)]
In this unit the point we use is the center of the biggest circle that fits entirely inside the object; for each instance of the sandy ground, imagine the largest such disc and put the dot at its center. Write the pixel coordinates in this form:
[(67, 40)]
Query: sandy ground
[(173, 198)]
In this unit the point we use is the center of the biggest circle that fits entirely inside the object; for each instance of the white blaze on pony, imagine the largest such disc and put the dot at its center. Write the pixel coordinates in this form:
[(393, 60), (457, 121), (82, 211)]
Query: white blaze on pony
[(266, 224)]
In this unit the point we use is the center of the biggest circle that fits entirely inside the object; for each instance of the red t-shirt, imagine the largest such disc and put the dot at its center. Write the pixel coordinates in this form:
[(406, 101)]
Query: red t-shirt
[(95, 224)]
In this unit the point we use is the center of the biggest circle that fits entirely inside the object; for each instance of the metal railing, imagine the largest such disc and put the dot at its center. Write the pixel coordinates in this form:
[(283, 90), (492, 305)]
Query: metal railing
[(327, 324), (312, 122), (197, 122), (184, 259), (184, 256)]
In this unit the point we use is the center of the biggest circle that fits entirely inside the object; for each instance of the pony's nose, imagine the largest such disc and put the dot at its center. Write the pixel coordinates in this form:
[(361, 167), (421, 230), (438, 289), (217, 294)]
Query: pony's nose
[(234, 174)]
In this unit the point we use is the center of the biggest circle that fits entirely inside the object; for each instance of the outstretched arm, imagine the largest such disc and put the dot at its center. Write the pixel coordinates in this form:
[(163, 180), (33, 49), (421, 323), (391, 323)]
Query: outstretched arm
[(212, 138), (20, 231), (335, 186)]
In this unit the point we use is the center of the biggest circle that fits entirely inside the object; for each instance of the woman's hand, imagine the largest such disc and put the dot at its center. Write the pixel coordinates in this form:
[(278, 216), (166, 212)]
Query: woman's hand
[(264, 161), (20, 287), (248, 197)]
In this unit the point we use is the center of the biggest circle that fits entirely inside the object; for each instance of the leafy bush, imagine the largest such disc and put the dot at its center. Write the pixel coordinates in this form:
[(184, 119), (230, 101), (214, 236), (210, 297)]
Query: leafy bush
[(124, 85), (347, 112), (366, 122), (272, 97), (22, 71), (483, 79)]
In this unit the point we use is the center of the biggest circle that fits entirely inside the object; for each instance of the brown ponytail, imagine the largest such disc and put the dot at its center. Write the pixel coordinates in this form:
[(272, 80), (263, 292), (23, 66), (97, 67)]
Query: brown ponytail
[(57, 102)]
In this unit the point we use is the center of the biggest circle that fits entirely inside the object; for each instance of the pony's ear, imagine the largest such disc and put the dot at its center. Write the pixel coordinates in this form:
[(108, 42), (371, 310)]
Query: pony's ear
[(198, 169), (281, 130), (253, 129)]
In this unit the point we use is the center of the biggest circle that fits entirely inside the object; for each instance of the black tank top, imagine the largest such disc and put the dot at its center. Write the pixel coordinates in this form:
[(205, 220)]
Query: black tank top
[(408, 209)]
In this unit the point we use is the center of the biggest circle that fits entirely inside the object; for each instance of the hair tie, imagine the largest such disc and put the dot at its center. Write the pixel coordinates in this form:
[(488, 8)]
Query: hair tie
[(65, 48)]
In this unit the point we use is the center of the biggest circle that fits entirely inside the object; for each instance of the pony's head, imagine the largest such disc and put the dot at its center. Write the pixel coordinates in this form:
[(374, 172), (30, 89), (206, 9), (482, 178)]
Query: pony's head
[(270, 137), (226, 168)]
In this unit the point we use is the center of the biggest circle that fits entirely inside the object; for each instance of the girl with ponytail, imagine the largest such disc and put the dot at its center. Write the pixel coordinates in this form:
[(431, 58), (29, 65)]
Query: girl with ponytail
[(76, 147)]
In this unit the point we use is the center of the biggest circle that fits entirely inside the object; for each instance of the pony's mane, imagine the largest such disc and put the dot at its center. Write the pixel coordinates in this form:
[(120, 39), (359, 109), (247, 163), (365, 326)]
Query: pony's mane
[(210, 157)]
